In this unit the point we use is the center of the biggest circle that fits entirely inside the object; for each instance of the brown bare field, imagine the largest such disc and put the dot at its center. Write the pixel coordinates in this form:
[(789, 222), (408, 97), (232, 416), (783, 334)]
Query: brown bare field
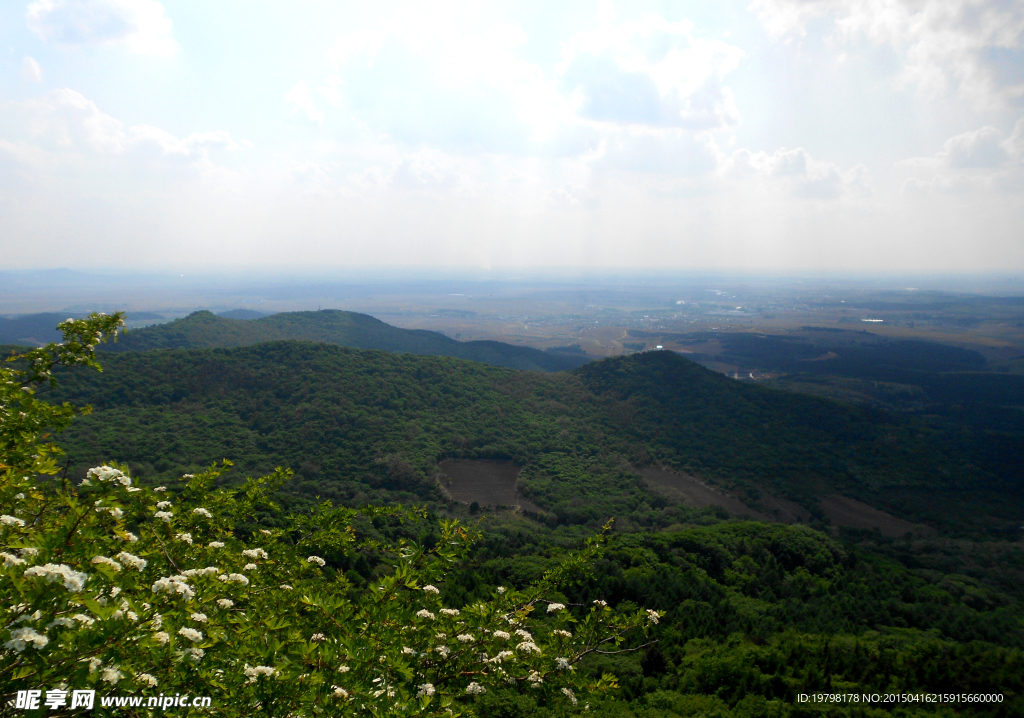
[(693, 492), (489, 483), (844, 511)]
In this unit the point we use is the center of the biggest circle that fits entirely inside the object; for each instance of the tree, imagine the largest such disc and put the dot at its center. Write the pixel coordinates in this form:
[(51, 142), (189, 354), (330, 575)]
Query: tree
[(139, 593)]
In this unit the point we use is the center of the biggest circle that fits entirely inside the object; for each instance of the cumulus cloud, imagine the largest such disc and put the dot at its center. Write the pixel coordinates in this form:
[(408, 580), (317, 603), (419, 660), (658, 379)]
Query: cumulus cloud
[(650, 72), (140, 25), (975, 47), (300, 98), (797, 170), (64, 120), (980, 148), (977, 160), (30, 70)]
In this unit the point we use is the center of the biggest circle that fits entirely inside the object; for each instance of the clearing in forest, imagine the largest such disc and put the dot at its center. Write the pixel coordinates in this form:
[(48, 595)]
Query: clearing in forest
[(488, 483)]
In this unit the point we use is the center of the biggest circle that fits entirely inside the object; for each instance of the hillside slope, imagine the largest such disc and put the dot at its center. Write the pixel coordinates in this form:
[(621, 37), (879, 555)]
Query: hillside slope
[(202, 330), (372, 426)]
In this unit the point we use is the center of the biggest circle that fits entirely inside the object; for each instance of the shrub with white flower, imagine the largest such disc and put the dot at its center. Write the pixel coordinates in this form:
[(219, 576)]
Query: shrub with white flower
[(254, 673), (191, 634), (133, 618)]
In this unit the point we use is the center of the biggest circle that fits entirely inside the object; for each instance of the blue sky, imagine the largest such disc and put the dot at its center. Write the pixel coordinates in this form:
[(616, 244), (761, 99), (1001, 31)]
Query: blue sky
[(774, 135)]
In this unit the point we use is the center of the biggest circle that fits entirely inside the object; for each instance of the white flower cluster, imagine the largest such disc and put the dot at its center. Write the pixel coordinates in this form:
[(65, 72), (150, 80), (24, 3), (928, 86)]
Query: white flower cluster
[(450, 611), (424, 613), (600, 604), (255, 553), (465, 638), (528, 647), (191, 634), (84, 620), (442, 651), (10, 560), (28, 552), (502, 635), (202, 512), (563, 664), (208, 571), (234, 578), (254, 672), (502, 655), (215, 544), (185, 538), (165, 516), (112, 510), (652, 616), (147, 680), (570, 695), (552, 607), (199, 617), (523, 633), (23, 637), (317, 560), (535, 678), (427, 689), (560, 632), (7, 520), (129, 537), (174, 584), (73, 580), (131, 561), (107, 473), (285, 587), (475, 689), (318, 638), (163, 505), (250, 567), (225, 603), (339, 692), (108, 562), (161, 637), (431, 589)]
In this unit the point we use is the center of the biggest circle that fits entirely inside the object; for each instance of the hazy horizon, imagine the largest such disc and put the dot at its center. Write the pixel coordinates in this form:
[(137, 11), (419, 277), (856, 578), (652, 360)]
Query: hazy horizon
[(766, 136)]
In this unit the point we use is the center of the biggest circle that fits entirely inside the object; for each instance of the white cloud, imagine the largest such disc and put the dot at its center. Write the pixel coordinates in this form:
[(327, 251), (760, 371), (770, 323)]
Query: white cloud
[(974, 47), (650, 72), (977, 160), (797, 170), (141, 25), (64, 121), (980, 148), (300, 98), (30, 70)]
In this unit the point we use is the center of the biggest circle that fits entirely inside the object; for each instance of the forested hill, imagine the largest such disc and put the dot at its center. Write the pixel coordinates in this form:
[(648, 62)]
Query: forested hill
[(363, 426), (202, 330)]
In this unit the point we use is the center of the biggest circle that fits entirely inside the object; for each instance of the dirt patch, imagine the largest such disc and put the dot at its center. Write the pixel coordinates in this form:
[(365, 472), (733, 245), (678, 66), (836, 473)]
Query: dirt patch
[(694, 492), (844, 511), (489, 483), (784, 510)]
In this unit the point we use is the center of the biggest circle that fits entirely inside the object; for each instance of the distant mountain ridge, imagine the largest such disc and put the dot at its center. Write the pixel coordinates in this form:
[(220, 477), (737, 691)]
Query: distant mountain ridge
[(205, 330)]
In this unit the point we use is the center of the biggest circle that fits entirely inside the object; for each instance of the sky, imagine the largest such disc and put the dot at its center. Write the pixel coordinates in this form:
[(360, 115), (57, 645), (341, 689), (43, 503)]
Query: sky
[(319, 135)]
